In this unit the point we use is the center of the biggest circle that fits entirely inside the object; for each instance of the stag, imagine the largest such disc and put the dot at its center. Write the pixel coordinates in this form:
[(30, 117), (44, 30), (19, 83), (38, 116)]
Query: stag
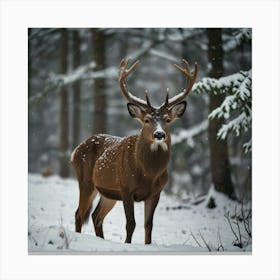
[(133, 168)]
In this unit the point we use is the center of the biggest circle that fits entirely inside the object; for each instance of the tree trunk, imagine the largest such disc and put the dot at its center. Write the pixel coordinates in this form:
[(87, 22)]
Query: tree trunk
[(64, 161), (220, 167), (29, 65), (99, 92), (76, 90)]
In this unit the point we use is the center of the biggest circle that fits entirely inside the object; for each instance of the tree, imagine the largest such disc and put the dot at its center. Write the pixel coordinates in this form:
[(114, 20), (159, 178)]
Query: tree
[(219, 159), (64, 122), (99, 93), (76, 55)]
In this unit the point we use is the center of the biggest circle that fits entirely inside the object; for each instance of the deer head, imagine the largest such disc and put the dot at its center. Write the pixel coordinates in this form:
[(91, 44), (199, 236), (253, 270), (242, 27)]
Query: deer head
[(156, 120)]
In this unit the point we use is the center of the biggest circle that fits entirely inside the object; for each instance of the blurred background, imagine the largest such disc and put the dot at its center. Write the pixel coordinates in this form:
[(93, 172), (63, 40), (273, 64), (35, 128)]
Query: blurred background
[(73, 92)]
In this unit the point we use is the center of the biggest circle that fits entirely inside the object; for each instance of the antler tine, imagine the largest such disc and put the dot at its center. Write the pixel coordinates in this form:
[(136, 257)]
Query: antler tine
[(184, 71), (191, 77), (147, 98), (166, 103), (124, 71)]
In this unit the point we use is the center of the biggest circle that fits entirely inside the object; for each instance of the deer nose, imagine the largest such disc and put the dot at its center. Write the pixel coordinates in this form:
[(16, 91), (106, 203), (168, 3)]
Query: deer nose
[(159, 135)]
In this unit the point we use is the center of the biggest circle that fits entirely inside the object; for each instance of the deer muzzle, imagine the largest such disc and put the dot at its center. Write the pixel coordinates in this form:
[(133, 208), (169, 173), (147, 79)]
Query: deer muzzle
[(159, 135)]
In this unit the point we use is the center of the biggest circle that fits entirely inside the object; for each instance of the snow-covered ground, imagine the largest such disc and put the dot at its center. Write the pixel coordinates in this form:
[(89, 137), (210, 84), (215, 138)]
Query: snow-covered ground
[(178, 227)]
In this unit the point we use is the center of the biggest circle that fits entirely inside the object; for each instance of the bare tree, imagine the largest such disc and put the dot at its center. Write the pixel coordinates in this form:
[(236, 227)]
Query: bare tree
[(64, 122), (99, 92), (76, 55)]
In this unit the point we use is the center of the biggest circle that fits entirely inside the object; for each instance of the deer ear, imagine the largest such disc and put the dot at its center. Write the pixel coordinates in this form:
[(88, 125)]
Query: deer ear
[(178, 110), (134, 111)]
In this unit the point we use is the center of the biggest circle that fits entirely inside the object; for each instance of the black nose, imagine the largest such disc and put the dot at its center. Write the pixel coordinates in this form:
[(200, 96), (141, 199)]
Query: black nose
[(159, 135)]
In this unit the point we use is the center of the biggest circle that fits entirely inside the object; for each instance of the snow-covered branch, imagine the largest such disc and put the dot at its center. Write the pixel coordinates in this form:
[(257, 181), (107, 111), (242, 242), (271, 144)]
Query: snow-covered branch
[(146, 47), (224, 110), (164, 55), (235, 125), (245, 34), (238, 89), (82, 74), (87, 72), (55, 81), (224, 84), (188, 134)]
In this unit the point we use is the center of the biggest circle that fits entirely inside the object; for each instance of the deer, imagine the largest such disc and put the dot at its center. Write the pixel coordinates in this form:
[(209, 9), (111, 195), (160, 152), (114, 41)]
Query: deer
[(133, 168)]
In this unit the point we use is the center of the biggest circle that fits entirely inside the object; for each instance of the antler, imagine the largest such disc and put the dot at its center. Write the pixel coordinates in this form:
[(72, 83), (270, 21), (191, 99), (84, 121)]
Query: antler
[(191, 76), (124, 71)]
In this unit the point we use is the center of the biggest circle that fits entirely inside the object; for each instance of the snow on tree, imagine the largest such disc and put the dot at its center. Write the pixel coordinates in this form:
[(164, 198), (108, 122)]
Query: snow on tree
[(236, 108), (241, 36), (188, 134)]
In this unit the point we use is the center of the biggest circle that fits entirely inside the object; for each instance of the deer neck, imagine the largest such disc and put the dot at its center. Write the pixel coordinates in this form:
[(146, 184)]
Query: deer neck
[(153, 161)]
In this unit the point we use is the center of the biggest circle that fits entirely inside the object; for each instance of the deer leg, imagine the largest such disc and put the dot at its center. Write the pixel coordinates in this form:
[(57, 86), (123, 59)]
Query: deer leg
[(150, 206), (103, 207), (128, 203), (87, 194)]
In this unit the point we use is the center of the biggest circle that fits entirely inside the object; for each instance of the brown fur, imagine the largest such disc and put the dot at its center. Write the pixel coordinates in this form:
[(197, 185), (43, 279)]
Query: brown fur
[(129, 169), (119, 169)]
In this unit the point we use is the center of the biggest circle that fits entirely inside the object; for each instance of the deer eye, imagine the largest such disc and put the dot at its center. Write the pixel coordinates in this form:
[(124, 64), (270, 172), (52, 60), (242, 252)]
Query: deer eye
[(168, 120), (146, 121)]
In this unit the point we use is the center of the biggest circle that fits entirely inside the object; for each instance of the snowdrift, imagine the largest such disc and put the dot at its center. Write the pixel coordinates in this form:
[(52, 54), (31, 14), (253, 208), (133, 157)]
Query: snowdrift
[(188, 227)]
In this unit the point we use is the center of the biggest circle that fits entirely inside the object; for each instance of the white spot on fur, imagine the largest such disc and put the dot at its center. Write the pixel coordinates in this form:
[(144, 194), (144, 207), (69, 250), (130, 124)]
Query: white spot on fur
[(159, 128), (157, 143)]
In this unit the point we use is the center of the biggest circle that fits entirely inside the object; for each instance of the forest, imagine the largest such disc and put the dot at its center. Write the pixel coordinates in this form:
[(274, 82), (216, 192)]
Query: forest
[(74, 92)]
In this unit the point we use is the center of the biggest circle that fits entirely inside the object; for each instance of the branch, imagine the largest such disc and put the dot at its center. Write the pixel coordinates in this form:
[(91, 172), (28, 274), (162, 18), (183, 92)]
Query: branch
[(188, 134), (229, 222), (220, 242), (206, 244), (85, 72), (246, 220), (195, 239), (164, 55), (54, 82)]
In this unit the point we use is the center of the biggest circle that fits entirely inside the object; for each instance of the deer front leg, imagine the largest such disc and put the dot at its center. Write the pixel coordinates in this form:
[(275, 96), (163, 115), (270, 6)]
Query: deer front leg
[(128, 203), (150, 206)]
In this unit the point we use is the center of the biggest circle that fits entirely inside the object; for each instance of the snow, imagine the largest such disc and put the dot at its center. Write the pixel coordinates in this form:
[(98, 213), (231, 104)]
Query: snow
[(248, 146), (177, 226), (231, 81), (237, 89), (188, 134), (224, 110), (245, 34), (242, 122)]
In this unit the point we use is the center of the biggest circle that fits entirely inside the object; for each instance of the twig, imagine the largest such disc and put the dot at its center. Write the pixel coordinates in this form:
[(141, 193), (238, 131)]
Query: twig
[(195, 239), (238, 227), (63, 234), (238, 242), (246, 221), (229, 222), (206, 244), (220, 242)]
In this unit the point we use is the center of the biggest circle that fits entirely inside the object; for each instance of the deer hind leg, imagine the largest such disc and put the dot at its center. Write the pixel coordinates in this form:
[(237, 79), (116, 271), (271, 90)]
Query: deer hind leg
[(87, 195), (103, 207)]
